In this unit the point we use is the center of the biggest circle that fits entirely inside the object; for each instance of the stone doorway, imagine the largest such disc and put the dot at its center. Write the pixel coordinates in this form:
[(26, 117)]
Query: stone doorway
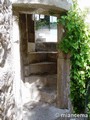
[(40, 63), (27, 90)]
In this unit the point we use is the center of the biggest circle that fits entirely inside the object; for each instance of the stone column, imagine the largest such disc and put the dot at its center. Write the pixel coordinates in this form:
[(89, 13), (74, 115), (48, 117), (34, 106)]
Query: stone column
[(63, 70)]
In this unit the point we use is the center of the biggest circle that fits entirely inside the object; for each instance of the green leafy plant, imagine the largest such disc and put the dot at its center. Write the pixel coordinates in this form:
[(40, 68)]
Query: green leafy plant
[(77, 42), (40, 24)]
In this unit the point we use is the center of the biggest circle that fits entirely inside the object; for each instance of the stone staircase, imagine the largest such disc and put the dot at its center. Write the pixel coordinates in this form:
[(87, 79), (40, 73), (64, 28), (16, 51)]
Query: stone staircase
[(41, 70), (41, 83)]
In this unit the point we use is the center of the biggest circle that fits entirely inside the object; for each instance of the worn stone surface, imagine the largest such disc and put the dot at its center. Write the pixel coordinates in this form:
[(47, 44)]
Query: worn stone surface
[(37, 68), (42, 112), (48, 95), (46, 46), (43, 80), (36, 91), (36, 57)]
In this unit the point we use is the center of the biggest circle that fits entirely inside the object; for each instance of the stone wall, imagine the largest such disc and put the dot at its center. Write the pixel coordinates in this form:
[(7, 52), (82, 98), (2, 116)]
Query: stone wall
[(6, 70), (63, 4)]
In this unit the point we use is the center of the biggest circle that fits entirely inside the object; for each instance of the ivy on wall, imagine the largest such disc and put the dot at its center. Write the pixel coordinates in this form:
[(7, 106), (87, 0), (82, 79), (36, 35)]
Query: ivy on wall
[(77, 42)]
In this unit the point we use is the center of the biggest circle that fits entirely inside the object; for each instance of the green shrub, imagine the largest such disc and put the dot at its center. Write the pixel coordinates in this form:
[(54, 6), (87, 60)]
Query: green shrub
[(40, 24), (77, 43)]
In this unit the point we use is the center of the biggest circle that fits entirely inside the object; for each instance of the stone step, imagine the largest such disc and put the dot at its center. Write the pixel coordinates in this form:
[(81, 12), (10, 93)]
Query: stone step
[(43, 80), (41, 68), (35, 57), (46, 46)]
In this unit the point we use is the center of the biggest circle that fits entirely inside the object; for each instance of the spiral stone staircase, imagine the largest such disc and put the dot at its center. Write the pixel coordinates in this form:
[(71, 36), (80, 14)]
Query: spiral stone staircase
[(42, 70), (41, 76)]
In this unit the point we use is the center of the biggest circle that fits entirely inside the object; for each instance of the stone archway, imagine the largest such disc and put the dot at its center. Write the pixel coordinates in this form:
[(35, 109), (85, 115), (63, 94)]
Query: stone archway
[(63, 66)]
